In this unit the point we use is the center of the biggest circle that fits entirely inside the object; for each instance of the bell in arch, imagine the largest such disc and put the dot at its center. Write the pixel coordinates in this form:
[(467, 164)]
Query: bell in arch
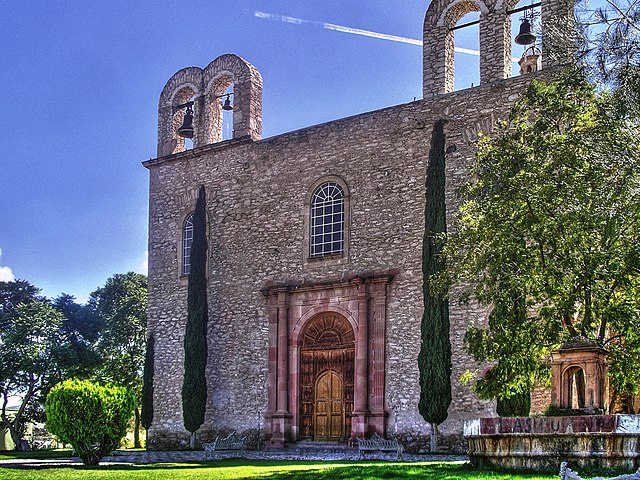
[(186, 129), (525, 36), (227, 104)]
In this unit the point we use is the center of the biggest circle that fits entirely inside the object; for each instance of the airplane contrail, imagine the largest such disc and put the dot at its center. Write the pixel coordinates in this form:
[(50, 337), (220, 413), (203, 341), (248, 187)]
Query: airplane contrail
[(351, 30), (355, 31), (338, 28)]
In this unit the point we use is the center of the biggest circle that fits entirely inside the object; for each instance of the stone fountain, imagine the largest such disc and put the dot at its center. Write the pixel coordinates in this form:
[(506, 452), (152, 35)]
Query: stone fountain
[(587, 438)]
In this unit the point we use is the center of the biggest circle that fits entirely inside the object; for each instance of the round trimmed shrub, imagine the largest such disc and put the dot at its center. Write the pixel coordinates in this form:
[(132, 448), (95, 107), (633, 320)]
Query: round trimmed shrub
[(91, 417)]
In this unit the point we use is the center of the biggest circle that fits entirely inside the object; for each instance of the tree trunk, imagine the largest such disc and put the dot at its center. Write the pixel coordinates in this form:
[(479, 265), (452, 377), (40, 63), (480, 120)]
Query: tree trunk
[(15, 424), (192, 441), (136, 429), (19, 445), (433, 439)]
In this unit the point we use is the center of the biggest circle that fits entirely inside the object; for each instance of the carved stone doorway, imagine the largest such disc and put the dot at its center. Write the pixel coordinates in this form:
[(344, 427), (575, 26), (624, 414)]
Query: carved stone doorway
[(326, 368), (315, 328), (329, 411)]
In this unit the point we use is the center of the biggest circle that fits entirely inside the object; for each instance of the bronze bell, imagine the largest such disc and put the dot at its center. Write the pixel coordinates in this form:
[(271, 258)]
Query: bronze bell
[(525, 37), (186, 129), (227, 104)]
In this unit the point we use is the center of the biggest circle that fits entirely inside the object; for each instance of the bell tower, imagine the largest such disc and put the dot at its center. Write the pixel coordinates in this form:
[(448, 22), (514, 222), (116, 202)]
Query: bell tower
[(495, 39), (204, 94)]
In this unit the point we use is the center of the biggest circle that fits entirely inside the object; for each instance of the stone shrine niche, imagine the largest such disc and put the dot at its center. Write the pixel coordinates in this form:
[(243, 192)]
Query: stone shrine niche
[(578, 371), (531, 60)]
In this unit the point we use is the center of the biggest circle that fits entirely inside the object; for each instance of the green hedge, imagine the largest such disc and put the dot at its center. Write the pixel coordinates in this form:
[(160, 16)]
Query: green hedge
[(91, 417)]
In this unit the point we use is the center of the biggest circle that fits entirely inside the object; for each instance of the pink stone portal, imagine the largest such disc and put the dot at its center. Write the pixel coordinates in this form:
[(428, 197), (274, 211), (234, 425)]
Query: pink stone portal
[(299, 311)]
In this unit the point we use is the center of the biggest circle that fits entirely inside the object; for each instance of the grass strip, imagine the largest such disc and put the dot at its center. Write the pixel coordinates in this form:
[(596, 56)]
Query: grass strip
[(241, 469)]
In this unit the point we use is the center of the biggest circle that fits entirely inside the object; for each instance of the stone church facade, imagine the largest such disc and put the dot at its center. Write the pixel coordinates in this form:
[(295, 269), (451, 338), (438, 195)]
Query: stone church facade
[(315, 241)]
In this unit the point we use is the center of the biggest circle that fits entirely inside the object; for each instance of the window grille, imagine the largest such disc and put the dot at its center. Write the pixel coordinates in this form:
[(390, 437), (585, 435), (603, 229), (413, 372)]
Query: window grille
[(187, 240), (327, 220)]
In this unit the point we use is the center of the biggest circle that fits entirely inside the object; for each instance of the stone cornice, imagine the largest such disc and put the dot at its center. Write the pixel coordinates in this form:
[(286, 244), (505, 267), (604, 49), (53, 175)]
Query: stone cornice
[(273, 288)]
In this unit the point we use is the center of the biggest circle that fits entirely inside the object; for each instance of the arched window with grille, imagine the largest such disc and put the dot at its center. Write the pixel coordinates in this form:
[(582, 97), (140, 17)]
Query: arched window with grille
[(327, 220), (187, 240)]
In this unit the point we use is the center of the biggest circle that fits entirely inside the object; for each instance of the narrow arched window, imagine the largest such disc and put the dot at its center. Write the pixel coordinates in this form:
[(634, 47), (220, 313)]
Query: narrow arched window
[(187, 240), (327, 220)]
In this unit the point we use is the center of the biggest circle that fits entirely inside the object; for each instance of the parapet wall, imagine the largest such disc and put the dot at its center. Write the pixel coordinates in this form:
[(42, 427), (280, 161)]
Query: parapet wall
[(541, 443)]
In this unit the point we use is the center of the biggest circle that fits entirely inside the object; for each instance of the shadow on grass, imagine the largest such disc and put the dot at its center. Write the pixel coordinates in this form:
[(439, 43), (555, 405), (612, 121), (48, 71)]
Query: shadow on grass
[(318, 470), (211, 464), (441, 471), (35, 454)]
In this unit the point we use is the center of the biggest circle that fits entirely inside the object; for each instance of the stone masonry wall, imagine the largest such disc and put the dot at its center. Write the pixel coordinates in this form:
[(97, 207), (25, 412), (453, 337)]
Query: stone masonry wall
[(256, 210)]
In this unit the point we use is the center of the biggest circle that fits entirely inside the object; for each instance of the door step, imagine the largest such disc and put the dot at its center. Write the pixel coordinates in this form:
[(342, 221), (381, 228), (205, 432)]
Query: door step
[(311, 446)]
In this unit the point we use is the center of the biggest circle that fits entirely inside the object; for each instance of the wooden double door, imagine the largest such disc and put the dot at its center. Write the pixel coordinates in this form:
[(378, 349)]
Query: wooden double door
[(327, 394), (326, 378)]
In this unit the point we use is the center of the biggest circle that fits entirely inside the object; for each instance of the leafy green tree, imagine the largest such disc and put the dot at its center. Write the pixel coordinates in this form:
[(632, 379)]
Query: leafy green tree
[(12, 294), (81, 321), (40, 344), (146, 417), (514, 341), (32, 357), (518, 405), (121, 305), (91, 417), (81, 328), (434, 359), (549, 229), (194, 387), (609, 46)]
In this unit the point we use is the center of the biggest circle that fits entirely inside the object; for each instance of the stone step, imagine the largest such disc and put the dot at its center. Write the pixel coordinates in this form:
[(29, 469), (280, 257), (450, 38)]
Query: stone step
[(318, 447)]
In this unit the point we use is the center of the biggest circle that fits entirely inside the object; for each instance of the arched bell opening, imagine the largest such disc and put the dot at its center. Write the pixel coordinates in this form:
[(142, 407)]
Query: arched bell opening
[(462, 45), (466, 57), (183, 120), (220, 108), (525, 26)]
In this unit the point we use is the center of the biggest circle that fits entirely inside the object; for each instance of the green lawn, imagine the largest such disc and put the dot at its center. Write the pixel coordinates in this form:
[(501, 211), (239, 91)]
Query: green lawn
[(237, 469)]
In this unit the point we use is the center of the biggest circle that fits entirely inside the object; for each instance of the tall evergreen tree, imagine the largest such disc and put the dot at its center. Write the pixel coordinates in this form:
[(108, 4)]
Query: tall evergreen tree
[(146, 417), (434, 360), (194, 387)]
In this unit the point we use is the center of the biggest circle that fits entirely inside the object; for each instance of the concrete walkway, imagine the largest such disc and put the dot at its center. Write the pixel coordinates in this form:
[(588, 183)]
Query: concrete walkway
[(138, 458)]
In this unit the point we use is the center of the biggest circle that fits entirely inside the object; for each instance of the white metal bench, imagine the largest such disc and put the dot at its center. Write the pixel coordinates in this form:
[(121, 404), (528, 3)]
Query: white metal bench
[(378, 444), (567, 474), (231, 442)]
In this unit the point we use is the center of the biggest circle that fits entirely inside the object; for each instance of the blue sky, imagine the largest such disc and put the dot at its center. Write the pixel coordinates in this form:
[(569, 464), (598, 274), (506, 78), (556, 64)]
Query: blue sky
[(81, 81)]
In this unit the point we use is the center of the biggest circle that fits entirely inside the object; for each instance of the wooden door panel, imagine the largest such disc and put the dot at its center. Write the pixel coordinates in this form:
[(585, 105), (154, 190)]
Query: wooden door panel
[(321, 427), (335, 427), (329, 407), (313, 365)]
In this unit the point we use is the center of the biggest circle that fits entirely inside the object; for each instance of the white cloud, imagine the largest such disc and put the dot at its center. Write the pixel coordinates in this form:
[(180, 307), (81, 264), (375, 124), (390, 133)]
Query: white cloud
[(144, 265), (6, 274)]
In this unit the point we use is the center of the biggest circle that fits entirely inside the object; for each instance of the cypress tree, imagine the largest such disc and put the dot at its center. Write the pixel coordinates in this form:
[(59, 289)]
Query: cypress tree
[(434, 360), (147, 385), (194, 386)]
